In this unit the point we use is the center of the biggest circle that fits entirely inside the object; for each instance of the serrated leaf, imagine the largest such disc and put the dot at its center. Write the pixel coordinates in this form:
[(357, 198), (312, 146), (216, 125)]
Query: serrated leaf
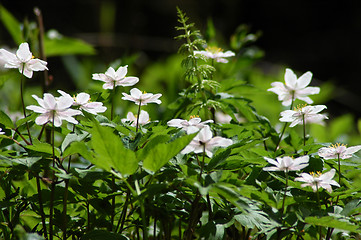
[(110, 152), (72, 137), (159, 155), (342, 224), (78, 148), (44, 148)]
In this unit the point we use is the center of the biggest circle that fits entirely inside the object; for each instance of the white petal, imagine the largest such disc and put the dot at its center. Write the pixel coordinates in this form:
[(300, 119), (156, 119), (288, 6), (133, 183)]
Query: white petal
[(304, 80), (128, 81), (82, 98), (290, 79), (352, 150), (42, 119), (121, 72), (175, 123), (23, 53)]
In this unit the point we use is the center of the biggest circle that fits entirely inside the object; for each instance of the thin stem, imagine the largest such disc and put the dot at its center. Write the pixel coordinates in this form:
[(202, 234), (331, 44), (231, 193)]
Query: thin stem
[(319, 206), (304, 129), (124, 213), (284, 127), (22, 100), (142, 210), (52, 190), (137, 125), (65, 199), (41, 210), (113, 205), (39, 18), (113, 102), (284, 194)]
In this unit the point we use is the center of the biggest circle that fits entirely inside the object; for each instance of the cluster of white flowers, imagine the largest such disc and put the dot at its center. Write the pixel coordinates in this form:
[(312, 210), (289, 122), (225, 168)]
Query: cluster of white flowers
[(55, 109), (297, 88)]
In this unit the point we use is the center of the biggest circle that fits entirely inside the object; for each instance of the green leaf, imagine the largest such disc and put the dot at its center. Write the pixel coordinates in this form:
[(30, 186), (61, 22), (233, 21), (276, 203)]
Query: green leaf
[(78, 148), (110, 152), (72, 137), (159, 155), (12, 25), (332, 222), (67, 46), (6, 120), (218, 159), (44, 148)]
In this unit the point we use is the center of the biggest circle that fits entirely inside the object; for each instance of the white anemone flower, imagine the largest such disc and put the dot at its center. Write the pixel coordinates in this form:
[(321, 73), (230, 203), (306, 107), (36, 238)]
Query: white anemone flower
[(132, 119), (294, 88), (318, 180), (82, 100), (204, 141), (23, 60), (287, 164), (191, 126), (216, 54), (338, 150), (140, 98), (304, 114), (54, 110), (114, 78)]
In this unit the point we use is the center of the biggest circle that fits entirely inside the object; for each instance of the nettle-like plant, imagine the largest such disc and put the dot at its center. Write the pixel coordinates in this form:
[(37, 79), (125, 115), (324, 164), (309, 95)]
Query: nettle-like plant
[(72, 168)]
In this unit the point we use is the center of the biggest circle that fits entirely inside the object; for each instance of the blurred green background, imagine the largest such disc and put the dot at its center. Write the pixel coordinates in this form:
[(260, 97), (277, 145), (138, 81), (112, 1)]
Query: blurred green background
[(318, 36)]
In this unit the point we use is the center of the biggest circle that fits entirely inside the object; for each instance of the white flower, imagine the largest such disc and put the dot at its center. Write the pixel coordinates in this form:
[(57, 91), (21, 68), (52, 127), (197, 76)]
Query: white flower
[(1, 131), (115, 78), (301, 114), (142, 98), (287, 163), (54, 109), (132, 119), (191, 126), (318, 180), (82, 100), (294, 88), (204, 141), (216, 53), (338, 151), (23, 60)]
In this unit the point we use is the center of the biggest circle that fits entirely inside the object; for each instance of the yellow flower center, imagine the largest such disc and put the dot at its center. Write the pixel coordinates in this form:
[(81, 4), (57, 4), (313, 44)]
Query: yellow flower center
[(32, 57), (316, 174), (214, 49), (193, 116), (299, 107), (337, 145)]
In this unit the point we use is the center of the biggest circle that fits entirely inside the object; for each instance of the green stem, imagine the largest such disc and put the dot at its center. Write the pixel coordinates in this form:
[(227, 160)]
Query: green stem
[(22, 100), (284, 128), (284, 195), (52, 190), (113, 100), (319, 206), (41, 210), (137, 125), (304, 129), (142, 209)]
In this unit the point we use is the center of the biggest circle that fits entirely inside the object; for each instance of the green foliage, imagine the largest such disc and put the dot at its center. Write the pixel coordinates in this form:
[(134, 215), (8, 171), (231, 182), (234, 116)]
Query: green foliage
[(105, 178)]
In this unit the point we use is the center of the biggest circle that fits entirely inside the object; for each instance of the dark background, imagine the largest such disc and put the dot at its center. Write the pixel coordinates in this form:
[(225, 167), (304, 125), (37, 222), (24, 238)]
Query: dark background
[(320, 36)]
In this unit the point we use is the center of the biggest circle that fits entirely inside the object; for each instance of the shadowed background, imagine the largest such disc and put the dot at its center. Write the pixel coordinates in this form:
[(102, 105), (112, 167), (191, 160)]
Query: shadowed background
[(318, 36)]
